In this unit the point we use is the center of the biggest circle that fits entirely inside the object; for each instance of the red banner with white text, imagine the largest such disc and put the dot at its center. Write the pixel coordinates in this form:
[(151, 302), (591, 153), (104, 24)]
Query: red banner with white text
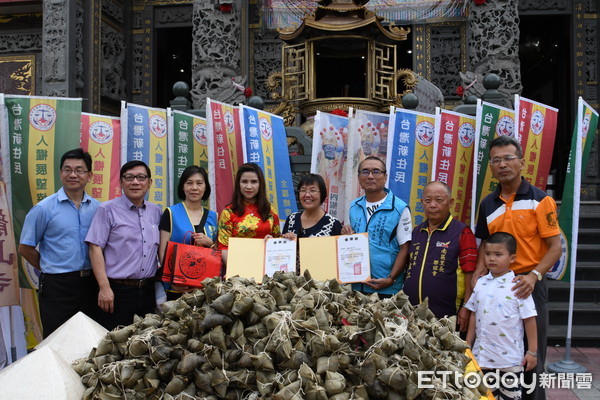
[(536, 129)]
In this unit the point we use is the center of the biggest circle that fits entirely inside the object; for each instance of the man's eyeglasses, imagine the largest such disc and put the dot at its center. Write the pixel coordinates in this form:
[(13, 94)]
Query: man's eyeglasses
[(375, 172), (130, 177), (506, 159), (78, 171)]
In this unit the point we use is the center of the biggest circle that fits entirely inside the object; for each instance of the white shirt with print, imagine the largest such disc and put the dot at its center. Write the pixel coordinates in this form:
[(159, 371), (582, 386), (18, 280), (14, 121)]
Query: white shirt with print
[(499, 316)]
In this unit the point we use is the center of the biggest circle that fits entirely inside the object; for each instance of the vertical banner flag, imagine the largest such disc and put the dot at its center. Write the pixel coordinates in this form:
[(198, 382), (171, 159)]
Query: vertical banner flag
[(265, 143), (492, 121), (144, 138), (536, 129), (367, 136), (36, 132), (101, 137), (9, 275), (225, 150), (409, 157), (453, 158), (584, 131), (33, 322), (330, 149), (189, 145), (39, 131)]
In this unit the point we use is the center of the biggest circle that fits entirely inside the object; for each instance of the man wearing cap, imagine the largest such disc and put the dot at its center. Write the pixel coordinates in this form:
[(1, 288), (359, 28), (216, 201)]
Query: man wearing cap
[(123, 242), (387, 220), (529, 214), (52, 241), (443, 255)]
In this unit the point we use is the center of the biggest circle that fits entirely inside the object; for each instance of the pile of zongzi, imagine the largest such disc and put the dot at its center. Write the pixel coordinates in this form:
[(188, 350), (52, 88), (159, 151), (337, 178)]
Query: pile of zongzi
[(288, 338)]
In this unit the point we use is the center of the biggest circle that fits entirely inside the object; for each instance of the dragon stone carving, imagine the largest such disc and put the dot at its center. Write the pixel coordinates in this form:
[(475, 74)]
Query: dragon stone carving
[(215, 55), (497, 25), (113, 59)]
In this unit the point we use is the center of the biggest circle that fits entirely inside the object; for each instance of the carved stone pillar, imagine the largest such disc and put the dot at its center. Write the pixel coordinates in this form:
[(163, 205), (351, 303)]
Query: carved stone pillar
[(79, 25), (59, 48), (216, 57), (586, 72), (266, 57), (493, 43), (91, 55)]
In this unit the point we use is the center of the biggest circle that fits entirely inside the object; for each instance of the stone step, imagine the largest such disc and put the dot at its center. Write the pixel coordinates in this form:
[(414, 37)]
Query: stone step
[(589, 235), (586, 307), (581, 335), (585, 291), (587, 252), (584, 313), (587, 271), (589, 221)]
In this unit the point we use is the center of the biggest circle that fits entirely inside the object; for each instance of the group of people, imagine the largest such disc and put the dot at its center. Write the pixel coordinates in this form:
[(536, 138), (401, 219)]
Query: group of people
[(102, 258)]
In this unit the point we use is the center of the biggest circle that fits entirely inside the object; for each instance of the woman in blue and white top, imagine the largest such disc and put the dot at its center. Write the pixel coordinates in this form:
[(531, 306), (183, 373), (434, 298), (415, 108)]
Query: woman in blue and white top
[(187, 216)]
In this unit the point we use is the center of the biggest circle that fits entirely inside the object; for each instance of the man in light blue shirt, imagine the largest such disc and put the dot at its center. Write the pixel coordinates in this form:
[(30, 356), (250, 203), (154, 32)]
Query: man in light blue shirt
[(387, 220), (57, 226)]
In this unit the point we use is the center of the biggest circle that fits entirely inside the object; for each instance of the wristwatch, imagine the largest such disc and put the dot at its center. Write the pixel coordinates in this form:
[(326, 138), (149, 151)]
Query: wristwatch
[(538, 274), (392, 278)]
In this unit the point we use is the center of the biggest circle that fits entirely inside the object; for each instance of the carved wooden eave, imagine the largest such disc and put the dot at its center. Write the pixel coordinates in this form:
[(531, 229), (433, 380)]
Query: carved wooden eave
[(350, 18), (339, 29)]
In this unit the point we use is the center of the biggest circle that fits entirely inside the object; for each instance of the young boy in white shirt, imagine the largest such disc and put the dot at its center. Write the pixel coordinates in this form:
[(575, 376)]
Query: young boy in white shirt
[(499, 319)]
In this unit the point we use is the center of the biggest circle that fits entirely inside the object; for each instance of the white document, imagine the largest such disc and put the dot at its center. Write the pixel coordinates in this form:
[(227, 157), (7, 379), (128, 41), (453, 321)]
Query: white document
[(280, 255), (353, 258)]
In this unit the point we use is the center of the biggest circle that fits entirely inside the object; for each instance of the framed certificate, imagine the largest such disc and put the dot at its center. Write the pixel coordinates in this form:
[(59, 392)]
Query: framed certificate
[(345, 257), (353, 258), (254, 258), (280, 255)]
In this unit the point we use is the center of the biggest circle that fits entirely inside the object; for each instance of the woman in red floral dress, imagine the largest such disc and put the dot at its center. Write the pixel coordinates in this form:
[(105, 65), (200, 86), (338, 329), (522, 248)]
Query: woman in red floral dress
[(249, 215)]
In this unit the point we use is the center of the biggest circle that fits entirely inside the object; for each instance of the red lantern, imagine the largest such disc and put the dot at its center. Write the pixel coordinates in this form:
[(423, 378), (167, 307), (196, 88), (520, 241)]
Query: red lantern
[(226, 6), (339, 112)]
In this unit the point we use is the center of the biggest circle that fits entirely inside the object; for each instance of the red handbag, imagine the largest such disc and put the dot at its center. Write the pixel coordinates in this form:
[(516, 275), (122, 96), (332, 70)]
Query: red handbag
[(189, 265)]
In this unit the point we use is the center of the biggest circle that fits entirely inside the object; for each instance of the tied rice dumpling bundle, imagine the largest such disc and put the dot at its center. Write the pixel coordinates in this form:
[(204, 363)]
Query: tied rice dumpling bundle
[(289, 337)]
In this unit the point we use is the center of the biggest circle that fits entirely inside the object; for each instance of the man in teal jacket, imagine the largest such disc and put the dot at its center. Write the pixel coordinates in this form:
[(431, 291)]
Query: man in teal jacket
[(387, 220)]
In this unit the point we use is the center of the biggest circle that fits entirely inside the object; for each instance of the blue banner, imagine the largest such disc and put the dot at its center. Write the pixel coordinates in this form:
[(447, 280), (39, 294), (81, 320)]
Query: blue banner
[(144, 138), (409, 157), (265, 144)]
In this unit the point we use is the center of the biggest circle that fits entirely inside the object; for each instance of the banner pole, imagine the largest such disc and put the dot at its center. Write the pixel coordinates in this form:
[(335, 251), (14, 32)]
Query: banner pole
[(567, 365), (13, 346)]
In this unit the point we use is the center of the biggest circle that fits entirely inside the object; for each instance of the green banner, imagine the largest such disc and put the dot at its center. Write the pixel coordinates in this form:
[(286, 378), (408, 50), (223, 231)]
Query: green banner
[(584, 130), (491, 121), (40, 131), (189, 145)]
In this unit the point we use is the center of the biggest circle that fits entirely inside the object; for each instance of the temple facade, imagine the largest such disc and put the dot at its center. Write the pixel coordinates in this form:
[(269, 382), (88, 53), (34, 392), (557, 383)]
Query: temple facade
[(106, 51)]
